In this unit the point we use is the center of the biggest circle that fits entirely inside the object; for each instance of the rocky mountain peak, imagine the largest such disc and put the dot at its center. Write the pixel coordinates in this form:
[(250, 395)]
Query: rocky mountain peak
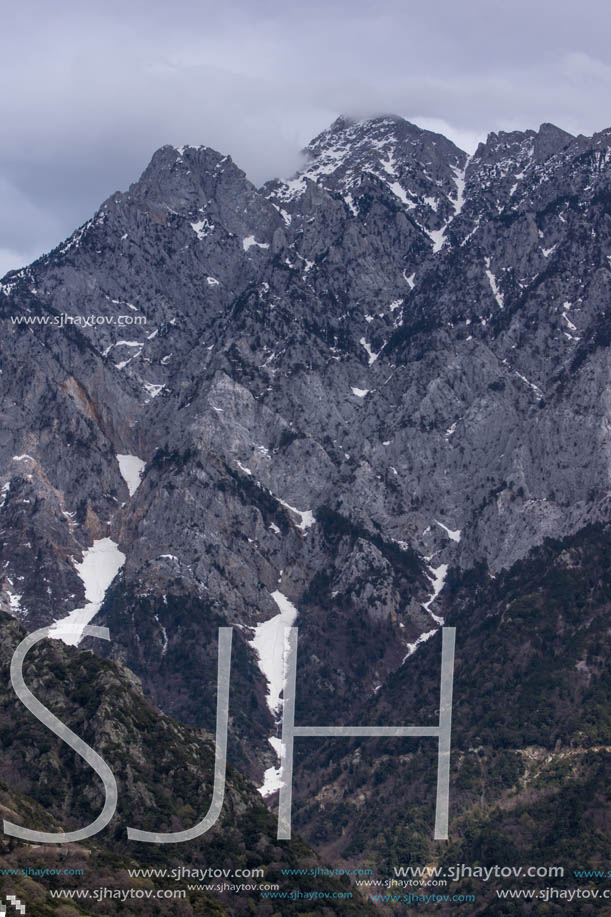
[(550, 139), (507, 148), (341, 123), (376, 140), (420, 172), (349, 125), (186, 179)]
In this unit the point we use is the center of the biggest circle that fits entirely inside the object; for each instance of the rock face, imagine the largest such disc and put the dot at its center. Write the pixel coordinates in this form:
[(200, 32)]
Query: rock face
[(392, 363)]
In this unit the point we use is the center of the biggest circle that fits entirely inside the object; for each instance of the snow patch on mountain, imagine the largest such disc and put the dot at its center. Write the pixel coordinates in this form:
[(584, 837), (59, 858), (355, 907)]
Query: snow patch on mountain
[(131, 468), (438, 576), (454, 534), (249, 241), (412, 647), (370, 354), (201, 228), (98, 568), (306, 516), (153, 389), (400, 192), (494, 286), (272, 778), (270, 645)]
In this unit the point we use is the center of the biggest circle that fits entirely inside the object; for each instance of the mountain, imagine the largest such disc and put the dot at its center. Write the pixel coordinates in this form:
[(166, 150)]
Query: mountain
[(531, 737), (327, 397), (164, 773)]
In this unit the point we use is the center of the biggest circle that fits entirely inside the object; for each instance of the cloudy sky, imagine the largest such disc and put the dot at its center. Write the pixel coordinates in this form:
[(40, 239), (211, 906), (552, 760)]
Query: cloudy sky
[(90, 91)]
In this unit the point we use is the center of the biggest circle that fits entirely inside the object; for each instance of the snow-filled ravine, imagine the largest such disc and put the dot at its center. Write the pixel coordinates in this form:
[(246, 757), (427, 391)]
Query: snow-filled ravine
[(99, 566), (270, 645), (131, 468), (438, 577)]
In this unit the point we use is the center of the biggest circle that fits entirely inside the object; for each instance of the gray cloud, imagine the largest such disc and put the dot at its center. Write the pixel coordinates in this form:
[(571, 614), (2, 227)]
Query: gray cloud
[(90, 94)]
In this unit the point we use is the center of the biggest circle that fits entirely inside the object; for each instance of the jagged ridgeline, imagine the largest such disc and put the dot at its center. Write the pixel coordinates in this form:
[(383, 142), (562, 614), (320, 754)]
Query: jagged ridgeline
[(348, 401)]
